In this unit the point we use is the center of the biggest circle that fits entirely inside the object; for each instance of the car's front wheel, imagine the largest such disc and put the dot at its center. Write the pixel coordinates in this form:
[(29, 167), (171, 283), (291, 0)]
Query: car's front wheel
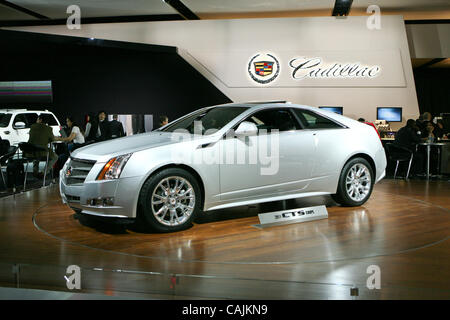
[(355, 183), (170, 200)]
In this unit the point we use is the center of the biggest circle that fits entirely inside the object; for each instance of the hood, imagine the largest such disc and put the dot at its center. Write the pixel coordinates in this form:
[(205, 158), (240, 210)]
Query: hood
[(103, 151)]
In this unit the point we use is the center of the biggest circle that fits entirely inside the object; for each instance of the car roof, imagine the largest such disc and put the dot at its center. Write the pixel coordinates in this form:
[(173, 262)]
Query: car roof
[(266, 104), (22, 110)]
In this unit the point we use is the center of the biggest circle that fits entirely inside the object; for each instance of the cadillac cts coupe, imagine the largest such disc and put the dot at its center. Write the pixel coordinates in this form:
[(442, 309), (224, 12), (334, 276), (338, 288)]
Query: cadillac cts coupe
[(224, 156)]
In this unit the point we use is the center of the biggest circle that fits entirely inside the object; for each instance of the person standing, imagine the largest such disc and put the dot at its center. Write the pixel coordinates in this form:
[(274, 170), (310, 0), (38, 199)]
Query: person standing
[(90, 133), (116, 128), (104, 130), (42, 135)]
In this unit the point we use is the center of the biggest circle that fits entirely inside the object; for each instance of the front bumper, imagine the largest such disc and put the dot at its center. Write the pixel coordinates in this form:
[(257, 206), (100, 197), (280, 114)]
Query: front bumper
[(122, 195)]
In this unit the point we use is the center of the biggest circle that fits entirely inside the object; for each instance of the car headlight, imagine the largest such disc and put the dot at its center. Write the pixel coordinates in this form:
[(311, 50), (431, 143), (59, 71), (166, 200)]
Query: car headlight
[(113, 168)]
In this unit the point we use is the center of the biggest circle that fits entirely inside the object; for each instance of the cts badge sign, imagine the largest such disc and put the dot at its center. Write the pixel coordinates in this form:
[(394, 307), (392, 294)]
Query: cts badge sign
[(276, 218), (263, 68)]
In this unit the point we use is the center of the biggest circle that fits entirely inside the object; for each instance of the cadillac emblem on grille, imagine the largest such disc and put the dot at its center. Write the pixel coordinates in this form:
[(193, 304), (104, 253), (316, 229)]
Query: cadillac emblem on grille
[(68, 171)]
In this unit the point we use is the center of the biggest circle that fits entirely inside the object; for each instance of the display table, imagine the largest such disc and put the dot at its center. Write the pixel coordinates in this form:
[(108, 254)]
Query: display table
[(428, 147)]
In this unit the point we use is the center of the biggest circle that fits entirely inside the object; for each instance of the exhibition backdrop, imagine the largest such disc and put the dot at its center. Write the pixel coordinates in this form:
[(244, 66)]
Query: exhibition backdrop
[(315, 61), (91, 75)]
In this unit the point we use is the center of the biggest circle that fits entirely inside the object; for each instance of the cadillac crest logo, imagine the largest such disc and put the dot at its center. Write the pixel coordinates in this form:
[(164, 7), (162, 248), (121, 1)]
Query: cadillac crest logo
[(263, 68)]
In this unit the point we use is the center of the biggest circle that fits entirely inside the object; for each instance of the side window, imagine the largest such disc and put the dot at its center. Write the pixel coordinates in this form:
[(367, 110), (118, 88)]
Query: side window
[(49, 119), (312, 120), (31, 118), (282, 120)]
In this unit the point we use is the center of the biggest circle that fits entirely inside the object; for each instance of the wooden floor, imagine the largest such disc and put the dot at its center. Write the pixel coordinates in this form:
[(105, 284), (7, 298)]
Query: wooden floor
[(404, 229)]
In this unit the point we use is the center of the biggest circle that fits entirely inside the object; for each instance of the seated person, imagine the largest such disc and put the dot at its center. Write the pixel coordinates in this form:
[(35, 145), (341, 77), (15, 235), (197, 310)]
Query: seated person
[(41, 134), (408, 137), (430, 132), (422, 123), (439, 130), (75, 138)]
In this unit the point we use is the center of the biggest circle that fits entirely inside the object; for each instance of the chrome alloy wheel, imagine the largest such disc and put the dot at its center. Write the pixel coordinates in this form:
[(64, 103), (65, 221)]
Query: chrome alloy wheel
[(173, 201), (358, 181)]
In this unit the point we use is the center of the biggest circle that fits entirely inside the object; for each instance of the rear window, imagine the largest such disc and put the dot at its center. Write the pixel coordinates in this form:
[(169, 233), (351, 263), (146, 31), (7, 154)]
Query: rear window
[(4, 119), (311, 120)]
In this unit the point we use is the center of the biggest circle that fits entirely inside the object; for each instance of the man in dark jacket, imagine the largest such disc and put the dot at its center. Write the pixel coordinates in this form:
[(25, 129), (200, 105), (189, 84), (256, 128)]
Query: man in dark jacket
[(104, 129), (116, 128), (42, 135), (408, 135)]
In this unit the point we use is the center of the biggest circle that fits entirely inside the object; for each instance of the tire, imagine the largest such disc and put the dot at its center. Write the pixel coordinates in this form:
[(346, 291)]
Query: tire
[(170, 200), (355, 183)]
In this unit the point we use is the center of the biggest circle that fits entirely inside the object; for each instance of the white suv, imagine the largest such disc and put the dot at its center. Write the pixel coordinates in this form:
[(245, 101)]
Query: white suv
[(15, 124)]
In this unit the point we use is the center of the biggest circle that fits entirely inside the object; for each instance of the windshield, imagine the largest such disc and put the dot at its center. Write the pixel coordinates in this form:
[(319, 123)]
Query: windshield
[(4, 119), (206, 121)]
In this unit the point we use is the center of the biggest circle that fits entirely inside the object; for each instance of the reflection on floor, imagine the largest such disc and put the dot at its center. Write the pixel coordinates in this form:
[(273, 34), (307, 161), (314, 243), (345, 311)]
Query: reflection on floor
[(403, 229)]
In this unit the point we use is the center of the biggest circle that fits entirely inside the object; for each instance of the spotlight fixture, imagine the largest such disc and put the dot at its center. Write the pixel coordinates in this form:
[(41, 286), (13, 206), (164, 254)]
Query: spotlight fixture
[(342, 7)]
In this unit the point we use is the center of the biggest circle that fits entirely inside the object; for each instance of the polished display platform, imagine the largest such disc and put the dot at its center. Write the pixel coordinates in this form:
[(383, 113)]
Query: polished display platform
[(404, 229)]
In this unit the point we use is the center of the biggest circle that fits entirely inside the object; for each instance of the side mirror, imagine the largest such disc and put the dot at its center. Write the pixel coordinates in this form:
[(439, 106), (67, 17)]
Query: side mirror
[(19, 125), (246, 129)]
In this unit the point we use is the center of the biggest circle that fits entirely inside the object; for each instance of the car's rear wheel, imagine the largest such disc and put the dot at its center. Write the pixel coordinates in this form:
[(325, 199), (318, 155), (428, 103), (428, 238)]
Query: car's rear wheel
[(170, 200), (355, 183)]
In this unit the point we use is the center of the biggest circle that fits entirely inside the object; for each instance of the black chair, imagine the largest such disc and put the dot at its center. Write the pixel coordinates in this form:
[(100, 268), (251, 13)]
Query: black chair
[(28, 154), (10, 152), (399, 153)]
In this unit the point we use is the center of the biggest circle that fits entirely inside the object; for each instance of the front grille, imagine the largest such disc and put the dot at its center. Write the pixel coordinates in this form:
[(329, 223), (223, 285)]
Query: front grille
[(77, 170)]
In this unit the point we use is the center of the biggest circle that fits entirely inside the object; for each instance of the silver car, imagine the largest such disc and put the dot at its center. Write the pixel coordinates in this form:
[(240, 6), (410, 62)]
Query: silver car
[(224, 156)]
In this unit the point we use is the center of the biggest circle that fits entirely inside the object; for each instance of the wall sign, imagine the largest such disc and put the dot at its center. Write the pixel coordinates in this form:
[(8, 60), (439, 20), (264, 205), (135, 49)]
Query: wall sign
[(298, 68), (263, 68), (315, 68)]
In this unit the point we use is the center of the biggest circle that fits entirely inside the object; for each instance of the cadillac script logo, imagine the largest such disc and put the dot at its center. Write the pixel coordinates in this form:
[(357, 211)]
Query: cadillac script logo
[(263, 68)]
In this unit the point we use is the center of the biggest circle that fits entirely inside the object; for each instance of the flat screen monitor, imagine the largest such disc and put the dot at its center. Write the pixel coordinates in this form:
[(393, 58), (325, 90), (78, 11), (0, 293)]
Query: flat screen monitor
[(338, 110), (391, 114)]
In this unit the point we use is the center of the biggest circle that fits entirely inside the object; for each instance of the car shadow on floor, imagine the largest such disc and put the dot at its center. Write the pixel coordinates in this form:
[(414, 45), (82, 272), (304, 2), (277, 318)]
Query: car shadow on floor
[(107, 226), (102, 225)]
